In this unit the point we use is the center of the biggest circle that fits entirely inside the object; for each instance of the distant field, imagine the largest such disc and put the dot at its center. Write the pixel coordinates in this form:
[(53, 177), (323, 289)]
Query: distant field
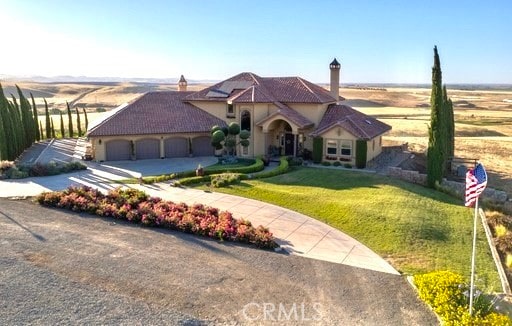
[(483, 124)]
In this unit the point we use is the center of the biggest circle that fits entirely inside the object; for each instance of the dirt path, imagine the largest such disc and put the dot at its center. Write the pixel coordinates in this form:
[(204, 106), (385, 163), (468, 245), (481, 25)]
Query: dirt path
[(57, 267)]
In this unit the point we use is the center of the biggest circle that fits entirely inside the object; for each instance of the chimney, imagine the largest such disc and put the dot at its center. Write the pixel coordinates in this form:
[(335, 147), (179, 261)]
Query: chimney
[(182, 84), (335, 79)]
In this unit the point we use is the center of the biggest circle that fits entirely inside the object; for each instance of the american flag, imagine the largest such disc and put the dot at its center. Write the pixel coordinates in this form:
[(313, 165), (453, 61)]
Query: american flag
[(476, 181)]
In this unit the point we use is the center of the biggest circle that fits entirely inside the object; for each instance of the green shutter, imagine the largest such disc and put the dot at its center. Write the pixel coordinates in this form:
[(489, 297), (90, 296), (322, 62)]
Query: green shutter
[(361, 152), (318, 147)]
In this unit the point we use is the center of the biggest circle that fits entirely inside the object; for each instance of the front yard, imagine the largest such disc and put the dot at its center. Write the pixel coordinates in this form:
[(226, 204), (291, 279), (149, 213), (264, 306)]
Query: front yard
[(416, 229)]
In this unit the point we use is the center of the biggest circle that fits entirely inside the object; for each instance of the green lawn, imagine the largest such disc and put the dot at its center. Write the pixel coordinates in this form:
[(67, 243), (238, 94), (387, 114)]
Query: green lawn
[(416, 229)]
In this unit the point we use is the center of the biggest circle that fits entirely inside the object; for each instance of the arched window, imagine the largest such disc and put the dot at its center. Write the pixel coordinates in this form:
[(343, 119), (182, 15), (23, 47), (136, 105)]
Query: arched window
[(245, 120)]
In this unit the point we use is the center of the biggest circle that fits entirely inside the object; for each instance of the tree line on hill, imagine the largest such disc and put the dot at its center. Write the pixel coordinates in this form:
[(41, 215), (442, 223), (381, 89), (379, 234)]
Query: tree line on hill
[(20, 126)]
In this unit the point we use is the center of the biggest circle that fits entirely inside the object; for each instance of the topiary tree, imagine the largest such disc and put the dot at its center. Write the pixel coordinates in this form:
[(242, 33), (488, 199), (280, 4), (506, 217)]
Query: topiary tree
[(226, 137)]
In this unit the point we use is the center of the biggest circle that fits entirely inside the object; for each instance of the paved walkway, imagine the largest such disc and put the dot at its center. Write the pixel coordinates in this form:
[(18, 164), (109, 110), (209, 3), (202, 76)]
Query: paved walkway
[(296, 233)]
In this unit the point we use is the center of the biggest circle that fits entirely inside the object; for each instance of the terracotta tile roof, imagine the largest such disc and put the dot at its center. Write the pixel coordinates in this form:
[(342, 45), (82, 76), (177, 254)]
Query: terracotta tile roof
[(290, 114), (248, 87), (357, 123), (156, 113), (253, 94), (296, 90), (201, 95)]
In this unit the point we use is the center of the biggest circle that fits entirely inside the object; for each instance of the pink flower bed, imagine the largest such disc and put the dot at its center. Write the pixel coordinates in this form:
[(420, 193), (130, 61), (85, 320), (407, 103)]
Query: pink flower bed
[(137, 207)]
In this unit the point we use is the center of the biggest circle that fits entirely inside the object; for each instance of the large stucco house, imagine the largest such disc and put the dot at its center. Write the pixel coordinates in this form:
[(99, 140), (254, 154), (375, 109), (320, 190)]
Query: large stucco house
[(283, 114)]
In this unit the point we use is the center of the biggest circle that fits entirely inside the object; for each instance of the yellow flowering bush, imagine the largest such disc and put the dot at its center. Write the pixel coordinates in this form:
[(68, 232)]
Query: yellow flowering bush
[(448, 295)]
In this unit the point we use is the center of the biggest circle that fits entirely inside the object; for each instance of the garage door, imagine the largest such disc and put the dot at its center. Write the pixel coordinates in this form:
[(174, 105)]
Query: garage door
[(201, 146), (118, 150), (147, 149), (176, 147)]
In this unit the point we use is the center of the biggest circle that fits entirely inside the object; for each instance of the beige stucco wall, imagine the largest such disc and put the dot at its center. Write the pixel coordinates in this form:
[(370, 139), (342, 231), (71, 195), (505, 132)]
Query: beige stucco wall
[(313, 112), (99, 150), (374, 148)]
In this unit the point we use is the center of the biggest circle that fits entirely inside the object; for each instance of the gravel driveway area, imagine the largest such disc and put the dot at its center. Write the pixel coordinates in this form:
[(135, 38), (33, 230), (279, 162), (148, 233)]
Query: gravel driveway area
[(57, 267)]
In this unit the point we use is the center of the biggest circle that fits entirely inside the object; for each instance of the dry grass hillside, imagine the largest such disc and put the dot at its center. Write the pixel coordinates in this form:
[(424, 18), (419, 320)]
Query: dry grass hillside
[(483, 123), (483, 117)]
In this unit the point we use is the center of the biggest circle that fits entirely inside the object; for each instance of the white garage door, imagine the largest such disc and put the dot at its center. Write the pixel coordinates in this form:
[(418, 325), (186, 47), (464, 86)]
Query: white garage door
[(176, 147), (201, 146), (147, 149), (118, 150)]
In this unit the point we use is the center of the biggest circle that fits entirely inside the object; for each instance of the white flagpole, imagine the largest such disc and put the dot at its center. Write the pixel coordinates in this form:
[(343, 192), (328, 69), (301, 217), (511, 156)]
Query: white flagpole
[(471, 290)]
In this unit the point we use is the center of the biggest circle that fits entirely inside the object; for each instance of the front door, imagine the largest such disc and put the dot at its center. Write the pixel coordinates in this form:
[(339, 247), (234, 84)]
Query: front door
[(289, 143)]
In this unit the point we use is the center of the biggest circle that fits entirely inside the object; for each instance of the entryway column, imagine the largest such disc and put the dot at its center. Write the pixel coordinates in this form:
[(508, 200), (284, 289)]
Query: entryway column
[(266, 142), (162, 147), (295, 143)]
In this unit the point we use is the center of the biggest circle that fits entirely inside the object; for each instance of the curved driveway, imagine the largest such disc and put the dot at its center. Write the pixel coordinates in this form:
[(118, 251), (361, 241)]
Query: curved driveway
[(296, 233)]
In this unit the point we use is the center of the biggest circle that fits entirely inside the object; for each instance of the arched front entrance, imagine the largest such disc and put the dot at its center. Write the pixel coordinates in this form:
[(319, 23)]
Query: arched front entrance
[(282, 139)]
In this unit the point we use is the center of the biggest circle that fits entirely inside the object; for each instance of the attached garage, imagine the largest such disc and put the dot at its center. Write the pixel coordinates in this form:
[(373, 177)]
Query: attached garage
[(176, 147), (201, 146), (118, 150), (147, 149)]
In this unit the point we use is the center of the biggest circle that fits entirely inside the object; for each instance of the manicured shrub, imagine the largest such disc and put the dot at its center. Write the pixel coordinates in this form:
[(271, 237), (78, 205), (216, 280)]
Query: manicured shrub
[(504, 243), (15, 173), (495, 218), (336, 163), (6, 165), (500, 230), (508, 261), (41, 170), (295, 161), (192, 180), (137, 207), (447, 293), (224, 179), (347, 166), (281, 169), (326, 163)]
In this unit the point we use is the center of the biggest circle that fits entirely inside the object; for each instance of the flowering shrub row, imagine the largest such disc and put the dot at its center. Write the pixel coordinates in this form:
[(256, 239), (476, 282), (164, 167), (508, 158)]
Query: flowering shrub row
[(135, 206), (448, 295)]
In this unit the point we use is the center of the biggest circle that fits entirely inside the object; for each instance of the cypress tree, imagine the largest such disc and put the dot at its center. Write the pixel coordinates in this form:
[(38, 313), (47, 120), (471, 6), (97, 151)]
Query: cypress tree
[(27, 119), (62, 125), (36, 118), (17, 129), (20, 128), (450, 124), (3, 139), (48, 126), (7, 143), (86, 120), (78, 124), (53, 128), (70, 121), (41, 130), (436, 143)]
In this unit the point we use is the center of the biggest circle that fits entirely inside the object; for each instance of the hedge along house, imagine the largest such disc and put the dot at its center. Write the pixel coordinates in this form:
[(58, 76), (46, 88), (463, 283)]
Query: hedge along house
[(284, 115)]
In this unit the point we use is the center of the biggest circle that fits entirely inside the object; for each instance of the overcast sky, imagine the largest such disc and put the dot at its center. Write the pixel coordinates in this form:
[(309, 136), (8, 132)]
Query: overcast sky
[(375, 41)]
